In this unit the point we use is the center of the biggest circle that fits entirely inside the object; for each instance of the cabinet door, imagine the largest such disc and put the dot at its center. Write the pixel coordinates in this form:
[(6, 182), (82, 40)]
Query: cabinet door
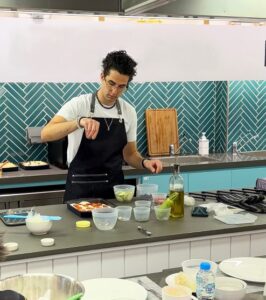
[(246, 177), (163, 181), (209, 180)]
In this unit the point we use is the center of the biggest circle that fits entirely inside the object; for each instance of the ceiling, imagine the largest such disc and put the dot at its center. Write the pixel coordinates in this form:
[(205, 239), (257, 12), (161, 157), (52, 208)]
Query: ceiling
[(237, 9), (241, 9)]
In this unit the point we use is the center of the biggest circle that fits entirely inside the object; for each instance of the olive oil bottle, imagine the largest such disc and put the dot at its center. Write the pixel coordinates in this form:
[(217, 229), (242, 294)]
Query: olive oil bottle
[(176, 188)]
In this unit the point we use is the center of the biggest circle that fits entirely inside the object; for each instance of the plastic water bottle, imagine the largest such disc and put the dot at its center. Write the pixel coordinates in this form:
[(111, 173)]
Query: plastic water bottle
[(205, 282)]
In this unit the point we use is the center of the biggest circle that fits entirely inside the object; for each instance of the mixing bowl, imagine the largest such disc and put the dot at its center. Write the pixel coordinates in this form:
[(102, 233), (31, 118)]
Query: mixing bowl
[(124, 192), (228, 288), (105, 218), (33, 286), (37, 225)]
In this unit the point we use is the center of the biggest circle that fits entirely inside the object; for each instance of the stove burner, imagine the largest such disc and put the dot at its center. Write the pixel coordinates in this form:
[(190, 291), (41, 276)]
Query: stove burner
[(248, 199)]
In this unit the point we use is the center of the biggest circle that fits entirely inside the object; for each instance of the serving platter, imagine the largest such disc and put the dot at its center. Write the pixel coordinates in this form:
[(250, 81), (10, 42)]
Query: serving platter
[(246, 268), (113, 289)]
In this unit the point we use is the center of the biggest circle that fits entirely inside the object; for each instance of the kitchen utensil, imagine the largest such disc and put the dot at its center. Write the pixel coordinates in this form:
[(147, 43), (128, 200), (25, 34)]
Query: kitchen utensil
[(162, 130), (191, 266), (179, 292), (146, 189), (13, 221), (35, 285), (228, 288), (76, 297), (124, 192), (47, 218), (38, 226), (147, 288), (145, 231), (162, 214), (143, 203), (124, 212), (105, 218), (142, 213)]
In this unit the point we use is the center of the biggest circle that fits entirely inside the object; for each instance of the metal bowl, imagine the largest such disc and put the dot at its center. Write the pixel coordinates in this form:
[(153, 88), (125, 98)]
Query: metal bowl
[(33, 286)]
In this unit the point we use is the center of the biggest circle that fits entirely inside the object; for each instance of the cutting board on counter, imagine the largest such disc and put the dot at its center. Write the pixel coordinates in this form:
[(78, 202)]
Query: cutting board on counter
[(162, 130)]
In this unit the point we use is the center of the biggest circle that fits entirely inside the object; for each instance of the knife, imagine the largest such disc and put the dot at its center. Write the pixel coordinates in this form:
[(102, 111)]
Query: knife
[(48, 218)]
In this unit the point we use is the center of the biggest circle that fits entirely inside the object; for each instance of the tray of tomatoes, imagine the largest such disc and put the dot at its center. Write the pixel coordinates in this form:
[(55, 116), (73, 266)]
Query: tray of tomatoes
[(84, 207)]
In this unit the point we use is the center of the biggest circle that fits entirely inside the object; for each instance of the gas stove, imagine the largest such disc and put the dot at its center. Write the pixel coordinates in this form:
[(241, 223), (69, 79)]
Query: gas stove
[(249, 199)]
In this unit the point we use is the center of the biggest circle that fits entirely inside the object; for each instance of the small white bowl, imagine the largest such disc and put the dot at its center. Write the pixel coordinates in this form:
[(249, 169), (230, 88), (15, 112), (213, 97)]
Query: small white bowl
[(12, 246), (47, 242), (192, 266), (38, 226), (228, 288)]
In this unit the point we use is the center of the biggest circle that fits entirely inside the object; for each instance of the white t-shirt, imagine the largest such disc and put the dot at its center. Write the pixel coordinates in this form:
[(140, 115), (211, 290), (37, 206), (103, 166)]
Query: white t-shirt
[(80, 106)]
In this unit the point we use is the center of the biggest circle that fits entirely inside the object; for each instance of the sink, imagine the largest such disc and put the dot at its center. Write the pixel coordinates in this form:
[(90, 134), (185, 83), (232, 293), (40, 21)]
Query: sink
[(182, 160), (258, 154)]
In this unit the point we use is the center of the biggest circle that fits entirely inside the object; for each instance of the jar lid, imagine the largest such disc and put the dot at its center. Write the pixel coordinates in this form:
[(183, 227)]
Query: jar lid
[(83, 224)]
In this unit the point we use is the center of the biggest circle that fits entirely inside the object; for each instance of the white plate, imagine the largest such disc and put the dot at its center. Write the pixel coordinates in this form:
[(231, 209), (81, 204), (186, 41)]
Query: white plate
[(246, 268), (113, 289)]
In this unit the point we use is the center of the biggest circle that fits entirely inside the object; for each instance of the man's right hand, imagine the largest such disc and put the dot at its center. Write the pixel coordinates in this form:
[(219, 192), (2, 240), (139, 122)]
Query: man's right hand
[(91, 127)]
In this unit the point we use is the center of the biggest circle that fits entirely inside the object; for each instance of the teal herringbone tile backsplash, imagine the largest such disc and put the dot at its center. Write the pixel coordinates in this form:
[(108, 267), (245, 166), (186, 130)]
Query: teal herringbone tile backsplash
[(201, 106), (247, 114)]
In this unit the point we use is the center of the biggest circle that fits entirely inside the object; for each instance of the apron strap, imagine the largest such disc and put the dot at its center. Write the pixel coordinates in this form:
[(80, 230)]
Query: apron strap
[(92, 107)]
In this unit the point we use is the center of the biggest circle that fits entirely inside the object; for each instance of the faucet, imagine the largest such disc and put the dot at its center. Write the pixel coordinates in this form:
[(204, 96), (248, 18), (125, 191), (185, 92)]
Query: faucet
[(235, 149), (172, 151)]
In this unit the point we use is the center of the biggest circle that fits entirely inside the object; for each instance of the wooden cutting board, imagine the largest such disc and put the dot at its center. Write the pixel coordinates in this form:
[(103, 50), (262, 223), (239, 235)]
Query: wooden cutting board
[(162, 130)]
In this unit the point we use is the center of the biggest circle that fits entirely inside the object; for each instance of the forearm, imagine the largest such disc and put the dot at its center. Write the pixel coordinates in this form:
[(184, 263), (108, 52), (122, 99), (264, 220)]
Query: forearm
[(57, 131), (135, 160)]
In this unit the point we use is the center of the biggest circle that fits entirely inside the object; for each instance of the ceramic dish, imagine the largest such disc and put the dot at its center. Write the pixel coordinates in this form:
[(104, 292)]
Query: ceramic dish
[(34, 165), (113, 289), (245, 268)]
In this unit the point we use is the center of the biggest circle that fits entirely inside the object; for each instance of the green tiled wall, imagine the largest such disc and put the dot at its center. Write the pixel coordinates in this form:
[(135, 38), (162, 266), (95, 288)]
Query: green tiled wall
[(201, 106)]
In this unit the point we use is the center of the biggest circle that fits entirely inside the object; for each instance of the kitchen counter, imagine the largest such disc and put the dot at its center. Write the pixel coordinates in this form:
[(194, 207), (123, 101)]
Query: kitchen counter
[(69, 238), (188, 163), (88, 253)]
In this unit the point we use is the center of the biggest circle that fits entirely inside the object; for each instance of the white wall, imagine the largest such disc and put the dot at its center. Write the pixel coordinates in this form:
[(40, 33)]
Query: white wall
[(71, 49)]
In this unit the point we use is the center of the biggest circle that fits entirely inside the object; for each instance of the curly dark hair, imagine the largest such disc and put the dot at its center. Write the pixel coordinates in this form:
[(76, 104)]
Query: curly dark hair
[(121, 62)]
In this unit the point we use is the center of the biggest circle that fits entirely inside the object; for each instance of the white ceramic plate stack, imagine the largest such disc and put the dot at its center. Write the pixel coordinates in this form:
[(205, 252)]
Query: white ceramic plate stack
[(113, 289), (245, 268)]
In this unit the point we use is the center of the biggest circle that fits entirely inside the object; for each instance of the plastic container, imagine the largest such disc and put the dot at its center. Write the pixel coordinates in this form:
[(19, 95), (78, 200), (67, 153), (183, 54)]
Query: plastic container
[(143, 203), (142, 213), (205, 282), (203, 145), (124, 192), (105, 218), (158, 198), (162, 214), (146, 189), (124, 212)]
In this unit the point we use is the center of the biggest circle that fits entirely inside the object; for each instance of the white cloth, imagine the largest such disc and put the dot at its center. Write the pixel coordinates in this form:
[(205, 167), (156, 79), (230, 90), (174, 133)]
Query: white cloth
[(80, 106)]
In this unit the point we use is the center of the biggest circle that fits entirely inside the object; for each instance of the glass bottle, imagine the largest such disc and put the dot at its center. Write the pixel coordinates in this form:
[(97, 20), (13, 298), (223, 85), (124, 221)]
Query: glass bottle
[(176, 188)]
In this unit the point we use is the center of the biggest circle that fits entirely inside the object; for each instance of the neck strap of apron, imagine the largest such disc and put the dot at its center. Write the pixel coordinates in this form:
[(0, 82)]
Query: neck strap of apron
[(92, 107)]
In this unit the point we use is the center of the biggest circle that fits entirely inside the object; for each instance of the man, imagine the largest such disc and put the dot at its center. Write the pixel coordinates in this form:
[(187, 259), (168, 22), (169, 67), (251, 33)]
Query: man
[(101, 129)]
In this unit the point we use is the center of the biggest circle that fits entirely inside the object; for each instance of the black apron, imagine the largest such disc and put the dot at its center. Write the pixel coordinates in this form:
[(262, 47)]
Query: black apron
[(97, 166)]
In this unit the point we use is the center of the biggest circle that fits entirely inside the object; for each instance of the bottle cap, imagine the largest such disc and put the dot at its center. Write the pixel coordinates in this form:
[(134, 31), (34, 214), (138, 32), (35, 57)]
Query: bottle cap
[(205, 266), (83, 224)]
